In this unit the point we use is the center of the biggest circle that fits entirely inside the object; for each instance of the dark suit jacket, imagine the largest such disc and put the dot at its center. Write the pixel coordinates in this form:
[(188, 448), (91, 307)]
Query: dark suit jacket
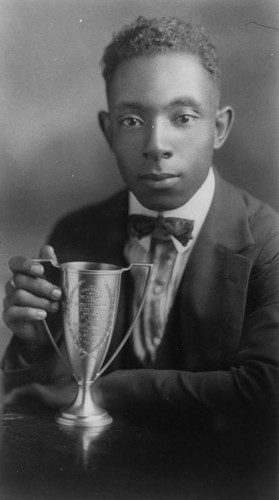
[(219, 355)]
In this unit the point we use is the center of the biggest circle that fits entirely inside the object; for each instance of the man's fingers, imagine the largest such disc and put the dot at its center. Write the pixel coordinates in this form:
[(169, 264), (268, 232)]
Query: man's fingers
[(25, 299), (32, 267), (30, 297), (16, 314), (24, 265), (37, 286), (47, 252)]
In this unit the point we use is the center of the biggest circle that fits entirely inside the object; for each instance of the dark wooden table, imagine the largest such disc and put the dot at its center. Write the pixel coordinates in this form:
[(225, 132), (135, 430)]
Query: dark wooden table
[(129, 460)]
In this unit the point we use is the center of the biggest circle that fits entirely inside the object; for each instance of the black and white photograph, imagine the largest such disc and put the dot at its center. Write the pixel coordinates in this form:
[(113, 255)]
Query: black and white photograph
[(139, 249)]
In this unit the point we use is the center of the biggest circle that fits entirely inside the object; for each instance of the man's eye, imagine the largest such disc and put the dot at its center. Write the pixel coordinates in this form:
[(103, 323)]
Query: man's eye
[(131, 122), (183, 119)]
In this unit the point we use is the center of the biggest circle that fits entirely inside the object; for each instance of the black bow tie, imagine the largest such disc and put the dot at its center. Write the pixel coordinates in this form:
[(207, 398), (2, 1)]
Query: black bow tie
[(143, 225)]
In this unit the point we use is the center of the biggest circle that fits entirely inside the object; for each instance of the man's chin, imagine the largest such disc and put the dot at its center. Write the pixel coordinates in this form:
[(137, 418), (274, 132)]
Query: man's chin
[(161, 202)]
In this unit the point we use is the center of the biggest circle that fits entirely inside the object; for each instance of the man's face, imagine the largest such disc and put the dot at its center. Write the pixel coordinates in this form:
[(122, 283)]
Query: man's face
[(162, 126)]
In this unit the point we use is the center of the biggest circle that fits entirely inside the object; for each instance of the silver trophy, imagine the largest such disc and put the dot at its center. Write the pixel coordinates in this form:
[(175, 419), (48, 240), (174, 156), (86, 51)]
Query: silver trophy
[(90, 304)]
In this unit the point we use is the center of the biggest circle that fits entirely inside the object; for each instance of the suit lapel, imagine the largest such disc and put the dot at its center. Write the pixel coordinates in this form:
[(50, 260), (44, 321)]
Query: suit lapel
[(210, 304)]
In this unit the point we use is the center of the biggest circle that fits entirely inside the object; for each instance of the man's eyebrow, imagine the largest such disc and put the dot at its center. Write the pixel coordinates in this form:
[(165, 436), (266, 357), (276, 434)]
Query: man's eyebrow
[(185, 101), (124, 105)]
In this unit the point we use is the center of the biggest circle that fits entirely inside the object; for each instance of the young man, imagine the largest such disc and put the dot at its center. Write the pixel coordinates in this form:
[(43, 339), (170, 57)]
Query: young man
[(207, 341)]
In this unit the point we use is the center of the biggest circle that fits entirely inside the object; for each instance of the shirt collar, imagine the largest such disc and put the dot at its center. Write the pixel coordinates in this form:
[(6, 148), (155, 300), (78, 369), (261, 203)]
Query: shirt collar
[(196, 209)]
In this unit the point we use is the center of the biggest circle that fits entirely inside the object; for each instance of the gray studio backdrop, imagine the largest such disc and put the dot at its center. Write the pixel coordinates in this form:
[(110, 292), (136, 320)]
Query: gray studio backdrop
[(54, 158)]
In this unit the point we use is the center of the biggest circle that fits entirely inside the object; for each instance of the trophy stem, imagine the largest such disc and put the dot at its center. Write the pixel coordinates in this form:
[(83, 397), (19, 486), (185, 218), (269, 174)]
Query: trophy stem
[(84, 412)]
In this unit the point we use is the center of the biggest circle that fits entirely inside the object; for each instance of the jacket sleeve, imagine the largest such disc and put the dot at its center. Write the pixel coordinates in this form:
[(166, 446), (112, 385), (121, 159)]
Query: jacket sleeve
[(246, 391)]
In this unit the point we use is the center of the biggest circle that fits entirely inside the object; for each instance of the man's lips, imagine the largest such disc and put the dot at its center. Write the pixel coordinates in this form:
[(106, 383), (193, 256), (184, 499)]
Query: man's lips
[(159, 180), (158, 177)]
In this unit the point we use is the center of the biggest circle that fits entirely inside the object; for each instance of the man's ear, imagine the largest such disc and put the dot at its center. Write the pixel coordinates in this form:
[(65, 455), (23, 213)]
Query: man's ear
[(105, 126), (223, 125)]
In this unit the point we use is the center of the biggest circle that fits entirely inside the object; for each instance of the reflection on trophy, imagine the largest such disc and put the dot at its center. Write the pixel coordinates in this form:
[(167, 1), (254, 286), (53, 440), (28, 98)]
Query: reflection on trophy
[(90, 304)]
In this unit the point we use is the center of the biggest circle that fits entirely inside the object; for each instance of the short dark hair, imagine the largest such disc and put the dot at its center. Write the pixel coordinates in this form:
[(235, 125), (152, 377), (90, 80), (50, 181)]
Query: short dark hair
[(160, 36)]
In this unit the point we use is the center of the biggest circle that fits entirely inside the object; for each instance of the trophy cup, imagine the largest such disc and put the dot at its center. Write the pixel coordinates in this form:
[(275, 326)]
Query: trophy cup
[(90, 304)]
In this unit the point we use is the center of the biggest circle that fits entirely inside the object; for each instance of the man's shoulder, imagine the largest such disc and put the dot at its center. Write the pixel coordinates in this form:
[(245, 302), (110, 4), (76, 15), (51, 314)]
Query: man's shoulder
[(242, 208), (92, 230), (103, 212), (257, 211)]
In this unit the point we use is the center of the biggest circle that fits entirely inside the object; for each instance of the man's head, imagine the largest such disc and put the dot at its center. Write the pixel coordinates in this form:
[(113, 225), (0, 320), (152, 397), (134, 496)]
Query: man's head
[(163, 123)]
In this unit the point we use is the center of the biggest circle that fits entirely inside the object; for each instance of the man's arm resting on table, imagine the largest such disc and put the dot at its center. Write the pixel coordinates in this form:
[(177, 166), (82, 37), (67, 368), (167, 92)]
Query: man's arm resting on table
[(242, 391), (247, 389)]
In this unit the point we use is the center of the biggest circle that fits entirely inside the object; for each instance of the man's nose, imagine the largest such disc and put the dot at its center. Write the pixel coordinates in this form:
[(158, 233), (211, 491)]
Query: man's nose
[(156, 144)]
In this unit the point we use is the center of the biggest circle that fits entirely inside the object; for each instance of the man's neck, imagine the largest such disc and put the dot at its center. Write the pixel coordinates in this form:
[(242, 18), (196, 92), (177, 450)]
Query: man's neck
[(195, 209)]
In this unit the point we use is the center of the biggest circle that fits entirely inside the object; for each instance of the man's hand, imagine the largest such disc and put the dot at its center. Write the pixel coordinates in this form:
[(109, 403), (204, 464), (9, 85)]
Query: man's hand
[(29, 297)]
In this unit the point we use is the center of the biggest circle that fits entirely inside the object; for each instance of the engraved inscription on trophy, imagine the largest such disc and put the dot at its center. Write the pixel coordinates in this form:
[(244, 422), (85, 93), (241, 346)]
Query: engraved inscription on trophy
[(89, 315)]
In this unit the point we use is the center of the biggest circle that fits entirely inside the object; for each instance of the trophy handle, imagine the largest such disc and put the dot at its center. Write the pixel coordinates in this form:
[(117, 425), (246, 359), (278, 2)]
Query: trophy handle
[(52, 274), (126, 337), (49, 334)]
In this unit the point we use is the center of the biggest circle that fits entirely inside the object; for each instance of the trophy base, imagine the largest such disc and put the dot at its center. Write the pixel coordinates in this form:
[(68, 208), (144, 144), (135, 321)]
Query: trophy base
[(84, 412), (72, 420)]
